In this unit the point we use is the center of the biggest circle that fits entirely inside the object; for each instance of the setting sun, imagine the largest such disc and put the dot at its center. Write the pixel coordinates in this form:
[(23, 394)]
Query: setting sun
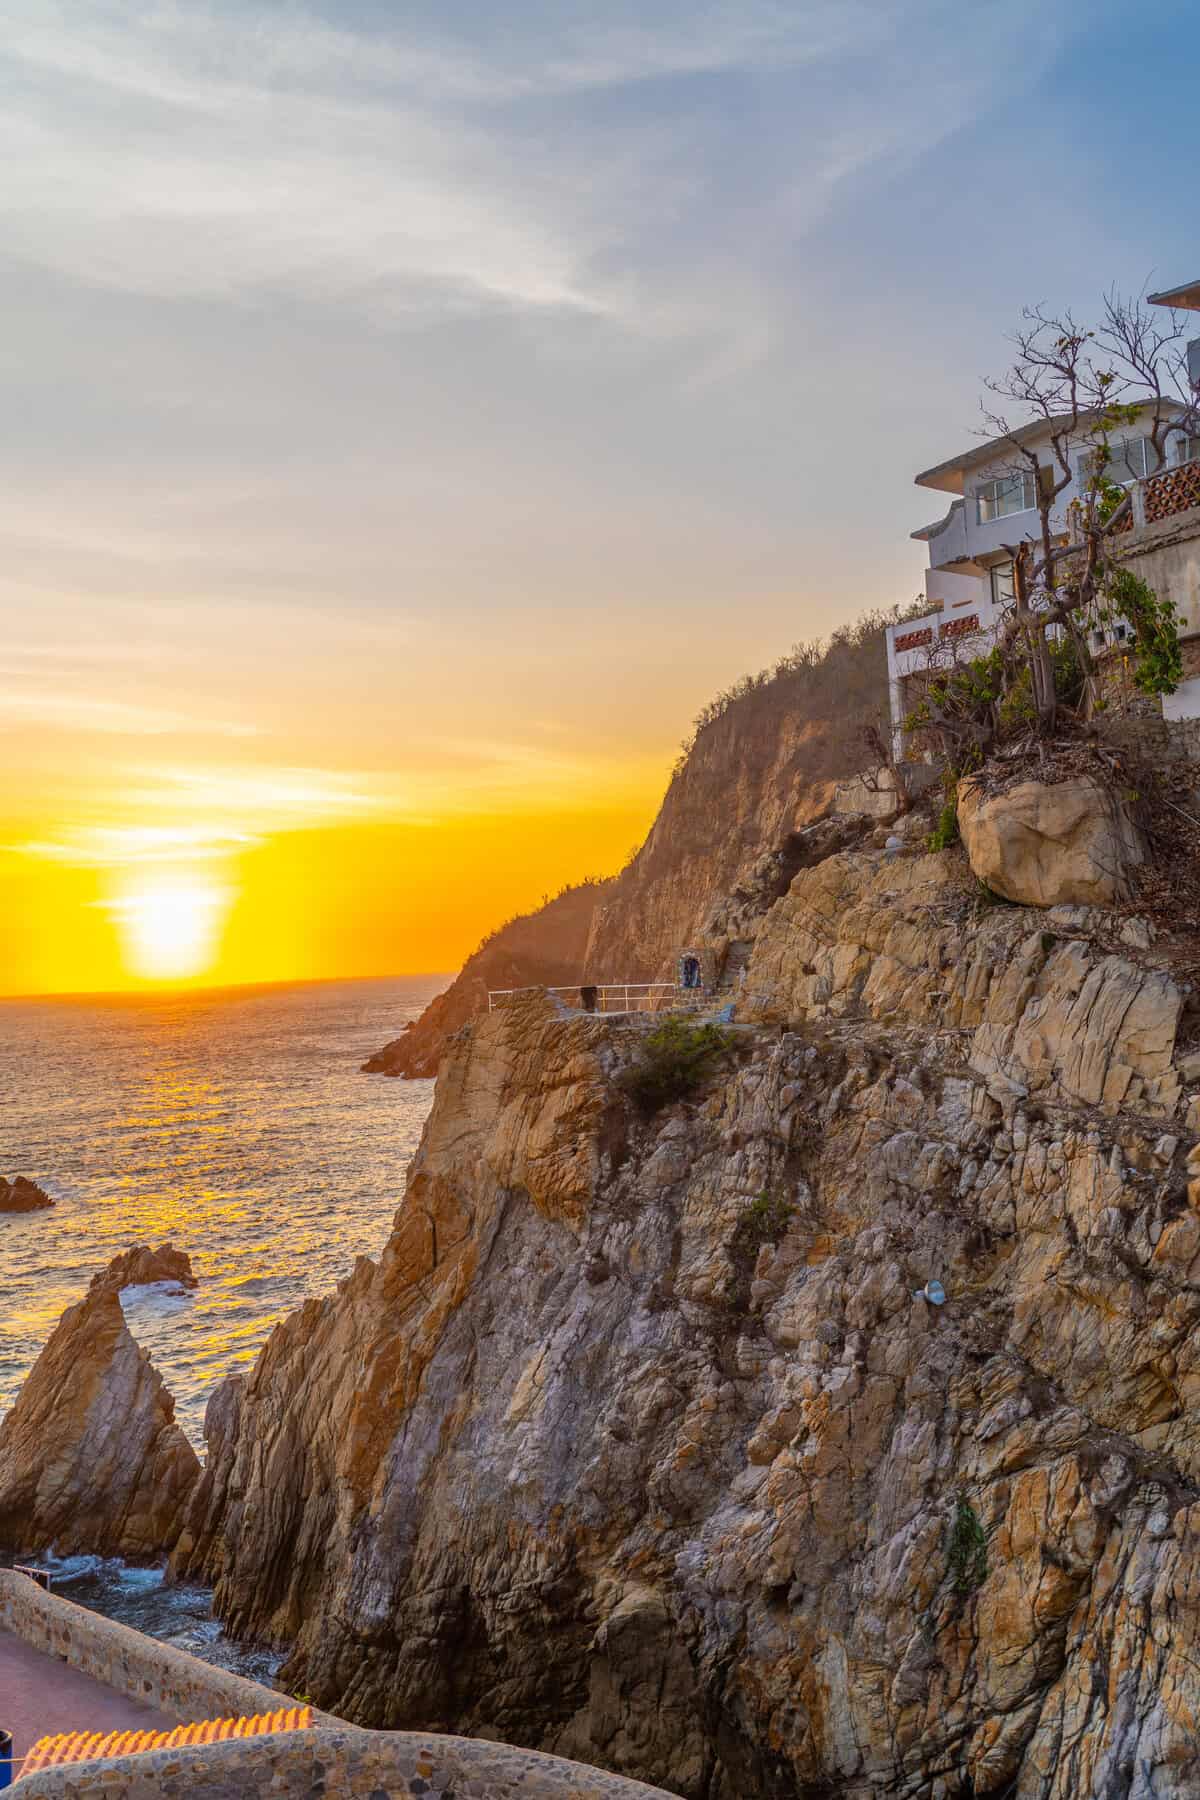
[(170, 929)]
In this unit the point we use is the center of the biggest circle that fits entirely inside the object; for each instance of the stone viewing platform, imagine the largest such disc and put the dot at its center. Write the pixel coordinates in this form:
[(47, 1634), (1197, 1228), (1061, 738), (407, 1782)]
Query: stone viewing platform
[(64, 1669), (40, 1694)]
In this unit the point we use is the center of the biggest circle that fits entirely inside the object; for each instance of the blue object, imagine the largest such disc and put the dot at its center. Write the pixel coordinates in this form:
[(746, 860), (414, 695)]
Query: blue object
[(6, 1759)]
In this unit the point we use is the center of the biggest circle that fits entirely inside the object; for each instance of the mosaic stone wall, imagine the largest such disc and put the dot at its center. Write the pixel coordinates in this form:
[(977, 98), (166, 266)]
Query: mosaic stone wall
[(360, 1765)]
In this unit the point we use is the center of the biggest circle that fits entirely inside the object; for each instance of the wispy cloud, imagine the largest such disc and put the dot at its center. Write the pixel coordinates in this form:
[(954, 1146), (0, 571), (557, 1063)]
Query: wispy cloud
[(458, 157), (117, 846), (96, 713), (191, 817), (271, 797)]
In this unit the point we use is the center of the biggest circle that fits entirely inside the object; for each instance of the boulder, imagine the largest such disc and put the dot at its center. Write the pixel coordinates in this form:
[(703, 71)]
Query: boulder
[(20, 1195), (1040, 844), (91, 1459), (141, 1267)]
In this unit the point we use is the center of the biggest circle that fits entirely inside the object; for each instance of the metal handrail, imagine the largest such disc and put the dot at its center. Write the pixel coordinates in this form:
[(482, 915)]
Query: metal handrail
[(633, 996)]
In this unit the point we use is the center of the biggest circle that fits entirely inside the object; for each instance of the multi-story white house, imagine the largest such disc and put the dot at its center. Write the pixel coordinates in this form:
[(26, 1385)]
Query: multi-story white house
[(993, 507)]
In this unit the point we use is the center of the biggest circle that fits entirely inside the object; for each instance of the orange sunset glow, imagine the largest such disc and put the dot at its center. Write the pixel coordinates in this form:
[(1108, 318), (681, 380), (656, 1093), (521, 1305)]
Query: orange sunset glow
[(414, 420)]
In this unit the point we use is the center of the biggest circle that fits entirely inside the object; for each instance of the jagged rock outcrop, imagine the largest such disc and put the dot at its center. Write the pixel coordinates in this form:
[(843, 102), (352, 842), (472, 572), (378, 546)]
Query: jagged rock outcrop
[(20, 1195), (142, 1266), (91, 1459), (1040, 1003), (636, 1445), (1050, 843)]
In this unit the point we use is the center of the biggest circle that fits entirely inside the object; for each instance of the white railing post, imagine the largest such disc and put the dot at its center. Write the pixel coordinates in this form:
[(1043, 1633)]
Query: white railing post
[(615, 997), (1139, 504)]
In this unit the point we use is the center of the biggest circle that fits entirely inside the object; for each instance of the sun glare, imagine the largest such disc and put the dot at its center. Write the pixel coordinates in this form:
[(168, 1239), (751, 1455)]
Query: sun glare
[(170, 929)]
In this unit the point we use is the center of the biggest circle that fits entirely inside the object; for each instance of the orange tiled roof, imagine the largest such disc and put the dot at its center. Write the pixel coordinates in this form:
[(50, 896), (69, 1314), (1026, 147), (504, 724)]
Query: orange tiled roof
[(89, 1746)]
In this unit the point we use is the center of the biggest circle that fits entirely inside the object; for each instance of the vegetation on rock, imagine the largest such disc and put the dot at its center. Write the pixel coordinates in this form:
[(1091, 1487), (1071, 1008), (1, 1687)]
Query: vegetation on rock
[(764, 1222), (674, 1059), (966, 1552)]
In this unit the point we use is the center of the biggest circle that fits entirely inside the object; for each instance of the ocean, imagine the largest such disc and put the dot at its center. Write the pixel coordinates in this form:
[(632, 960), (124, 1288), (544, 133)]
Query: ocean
[(234, 1124)]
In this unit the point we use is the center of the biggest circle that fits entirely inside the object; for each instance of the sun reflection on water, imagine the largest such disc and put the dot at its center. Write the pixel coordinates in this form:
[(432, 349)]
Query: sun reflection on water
[(235, 1126)]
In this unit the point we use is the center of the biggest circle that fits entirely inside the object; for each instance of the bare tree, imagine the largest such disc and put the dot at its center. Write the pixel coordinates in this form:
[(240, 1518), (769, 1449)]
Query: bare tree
[(1069, 389)]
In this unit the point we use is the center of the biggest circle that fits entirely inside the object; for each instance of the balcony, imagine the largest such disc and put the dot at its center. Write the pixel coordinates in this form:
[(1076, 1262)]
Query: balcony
[(947, 538)]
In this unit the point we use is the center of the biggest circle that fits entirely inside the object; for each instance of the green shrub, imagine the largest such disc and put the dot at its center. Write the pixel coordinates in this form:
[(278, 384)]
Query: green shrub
[(673, 1061), (764, 1222), (966, 1553), (1158, 661), (945, 832)]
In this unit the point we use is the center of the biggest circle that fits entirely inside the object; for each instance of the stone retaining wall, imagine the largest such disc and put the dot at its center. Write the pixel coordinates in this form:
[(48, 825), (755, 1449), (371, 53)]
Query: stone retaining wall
[(177, 1684), (343, 1762), (332, 1758)]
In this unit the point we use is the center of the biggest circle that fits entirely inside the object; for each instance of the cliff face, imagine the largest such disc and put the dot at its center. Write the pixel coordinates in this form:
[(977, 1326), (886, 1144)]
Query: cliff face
[(642, 1445), (740, 796), (763, 768)]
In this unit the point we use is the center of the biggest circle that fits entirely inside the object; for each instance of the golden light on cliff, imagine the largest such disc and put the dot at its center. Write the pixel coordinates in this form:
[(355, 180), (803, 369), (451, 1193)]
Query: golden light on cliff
[(170, 925)]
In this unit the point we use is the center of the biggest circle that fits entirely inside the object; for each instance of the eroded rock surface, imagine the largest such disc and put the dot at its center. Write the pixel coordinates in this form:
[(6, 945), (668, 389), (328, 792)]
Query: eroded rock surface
[(20, 1195), (637, 1446), (91, 1459), (1050, 843)]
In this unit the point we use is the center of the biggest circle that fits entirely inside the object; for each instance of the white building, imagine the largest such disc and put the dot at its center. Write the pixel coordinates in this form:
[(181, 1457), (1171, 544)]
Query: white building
[(993, 506)]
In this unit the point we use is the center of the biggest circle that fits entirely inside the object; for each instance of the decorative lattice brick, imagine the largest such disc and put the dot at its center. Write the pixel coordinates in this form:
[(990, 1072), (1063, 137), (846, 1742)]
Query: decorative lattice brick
[(1174, 491)]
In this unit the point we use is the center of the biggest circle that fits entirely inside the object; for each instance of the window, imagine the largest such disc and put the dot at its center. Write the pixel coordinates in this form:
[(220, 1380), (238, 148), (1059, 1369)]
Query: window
[(1007, 494), (1129, 458), (1003, 591)]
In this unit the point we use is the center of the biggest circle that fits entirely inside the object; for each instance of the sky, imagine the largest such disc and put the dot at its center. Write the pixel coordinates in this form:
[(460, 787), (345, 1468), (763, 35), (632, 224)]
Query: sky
[(414, 415)]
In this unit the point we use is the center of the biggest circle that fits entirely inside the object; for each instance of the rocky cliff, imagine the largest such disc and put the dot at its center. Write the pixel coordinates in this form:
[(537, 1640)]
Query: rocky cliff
[(763, 765), (643, 1444), (91, 1458)]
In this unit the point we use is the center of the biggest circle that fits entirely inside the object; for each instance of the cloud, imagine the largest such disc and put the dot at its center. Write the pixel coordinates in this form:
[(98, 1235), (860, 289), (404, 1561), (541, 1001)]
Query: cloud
[(96, 713), (124, 846), (271, 797), (555, 159), (212, 814)]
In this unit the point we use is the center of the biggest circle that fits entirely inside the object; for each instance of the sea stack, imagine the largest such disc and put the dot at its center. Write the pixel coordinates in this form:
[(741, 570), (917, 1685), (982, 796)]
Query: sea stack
[(91, 1459), (20, 1195)]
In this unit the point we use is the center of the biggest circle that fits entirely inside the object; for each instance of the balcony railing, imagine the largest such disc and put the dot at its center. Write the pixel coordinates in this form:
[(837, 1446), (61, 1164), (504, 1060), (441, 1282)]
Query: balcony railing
[(1170, 491), (611, 997)]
